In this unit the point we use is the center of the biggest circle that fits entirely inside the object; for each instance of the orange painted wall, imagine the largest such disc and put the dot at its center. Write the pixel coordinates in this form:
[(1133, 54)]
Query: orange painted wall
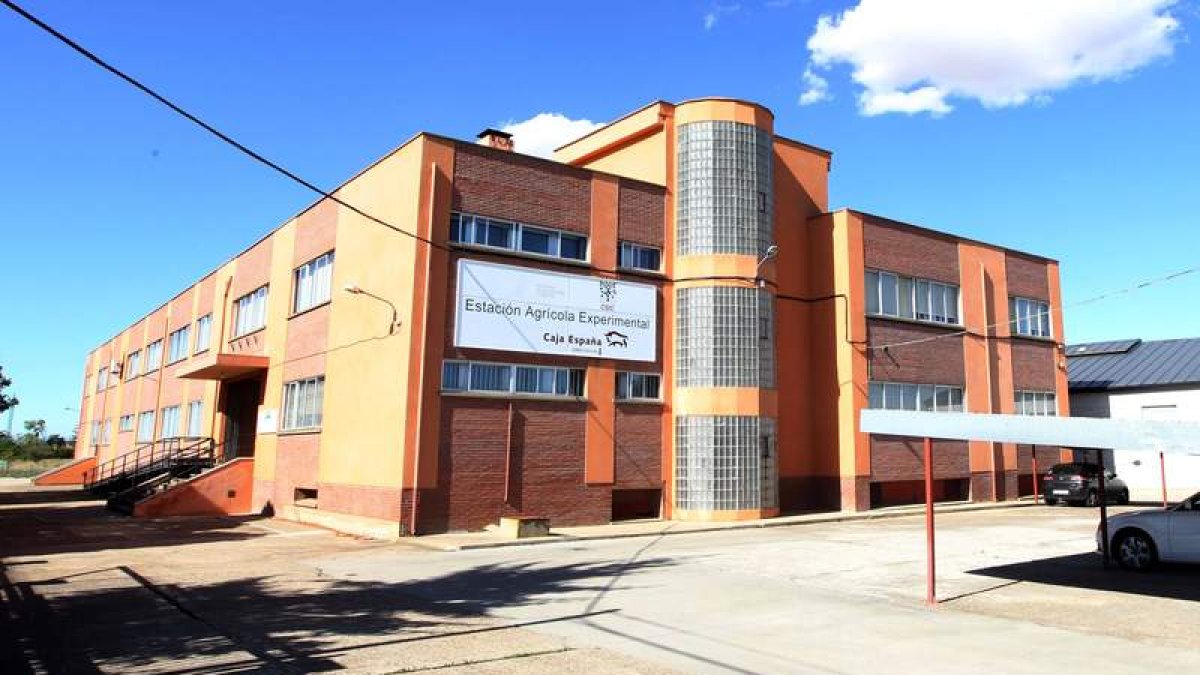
[(70, 473), (225, 490)]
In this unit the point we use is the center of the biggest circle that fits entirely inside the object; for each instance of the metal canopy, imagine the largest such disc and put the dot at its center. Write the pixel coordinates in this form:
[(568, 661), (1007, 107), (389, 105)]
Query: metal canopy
[(1071, 432)]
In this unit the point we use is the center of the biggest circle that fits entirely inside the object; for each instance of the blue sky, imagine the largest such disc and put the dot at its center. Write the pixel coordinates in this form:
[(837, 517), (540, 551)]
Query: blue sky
[(112, 204)]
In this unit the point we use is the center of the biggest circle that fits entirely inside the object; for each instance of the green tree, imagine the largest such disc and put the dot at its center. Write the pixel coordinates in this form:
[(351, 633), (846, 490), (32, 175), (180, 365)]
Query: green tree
[(35, 428), (6, 401)]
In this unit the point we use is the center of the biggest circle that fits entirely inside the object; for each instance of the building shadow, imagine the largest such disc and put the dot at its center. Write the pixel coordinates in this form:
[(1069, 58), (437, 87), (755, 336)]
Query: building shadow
[(1086, 571), (267, 624)]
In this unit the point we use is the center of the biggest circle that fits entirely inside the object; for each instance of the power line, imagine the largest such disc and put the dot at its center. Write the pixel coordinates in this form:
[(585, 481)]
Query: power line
[(256, 156), (982, 332)]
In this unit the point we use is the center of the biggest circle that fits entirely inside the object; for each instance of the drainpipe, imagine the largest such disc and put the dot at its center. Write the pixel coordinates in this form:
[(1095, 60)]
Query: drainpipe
[(220, 342), (162, 372), (416, 479)]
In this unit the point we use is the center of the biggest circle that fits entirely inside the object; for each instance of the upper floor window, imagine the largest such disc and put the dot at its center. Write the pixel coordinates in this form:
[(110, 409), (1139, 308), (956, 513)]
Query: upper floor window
[(904, 396), (312, 283), (177, 344), (126, 423), (468, 229), (633, 256), (302, 403), (102, 378), (1035, 403), (133, 364), (638, 386), (508, 378), (909, 298), (203, 333), (250, 313), (1029, 317), (153, 355)]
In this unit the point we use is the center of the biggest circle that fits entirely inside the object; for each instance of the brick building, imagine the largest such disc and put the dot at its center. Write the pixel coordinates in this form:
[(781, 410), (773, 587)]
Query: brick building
[(665, 320)]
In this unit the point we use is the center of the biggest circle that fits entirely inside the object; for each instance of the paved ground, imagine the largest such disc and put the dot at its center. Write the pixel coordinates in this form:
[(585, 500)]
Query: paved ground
[(83, 592)]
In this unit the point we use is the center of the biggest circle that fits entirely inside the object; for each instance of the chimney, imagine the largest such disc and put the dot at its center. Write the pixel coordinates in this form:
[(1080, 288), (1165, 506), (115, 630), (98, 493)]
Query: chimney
[(494, 138)]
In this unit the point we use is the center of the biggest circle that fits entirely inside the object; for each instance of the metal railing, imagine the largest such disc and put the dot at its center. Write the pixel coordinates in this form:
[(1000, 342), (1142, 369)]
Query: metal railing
[(160, 455)]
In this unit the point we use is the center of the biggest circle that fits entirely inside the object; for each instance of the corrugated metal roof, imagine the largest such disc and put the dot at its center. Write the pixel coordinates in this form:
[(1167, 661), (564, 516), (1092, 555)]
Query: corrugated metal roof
[(1131, 364)]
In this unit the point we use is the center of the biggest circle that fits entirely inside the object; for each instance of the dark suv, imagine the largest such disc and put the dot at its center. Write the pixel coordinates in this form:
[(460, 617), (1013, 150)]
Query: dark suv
[(1079, 483)]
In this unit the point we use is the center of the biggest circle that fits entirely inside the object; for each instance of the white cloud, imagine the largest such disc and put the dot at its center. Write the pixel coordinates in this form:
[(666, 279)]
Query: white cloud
[(816, 88), (713, 15), (541, 134), (912, 56)]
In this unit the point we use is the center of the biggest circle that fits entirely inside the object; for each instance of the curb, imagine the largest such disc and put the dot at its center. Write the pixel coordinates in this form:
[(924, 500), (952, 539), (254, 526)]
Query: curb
[(838, 517)]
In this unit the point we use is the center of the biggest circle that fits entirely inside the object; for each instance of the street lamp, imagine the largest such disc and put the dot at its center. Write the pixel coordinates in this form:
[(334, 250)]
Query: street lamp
[(355, 289)]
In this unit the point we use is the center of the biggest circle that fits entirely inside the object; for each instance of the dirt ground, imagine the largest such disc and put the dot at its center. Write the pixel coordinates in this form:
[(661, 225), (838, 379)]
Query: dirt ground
[(86, 591)]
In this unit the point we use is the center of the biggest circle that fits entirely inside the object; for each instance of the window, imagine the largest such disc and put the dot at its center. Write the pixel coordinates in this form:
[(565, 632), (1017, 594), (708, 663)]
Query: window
[(302, 401), (902, 396), (133, 365), (177, 344), (312, 283), (106, 433), (633, 256), (169, 426), (637, 386), (125, 423), (153, 355), (102, 378), (203, 333), (1029, 317), (910, 298), (506, 378), (145, 427), (469, 229), (1035, 403), (95, 433), (251, 312), (194, 419)]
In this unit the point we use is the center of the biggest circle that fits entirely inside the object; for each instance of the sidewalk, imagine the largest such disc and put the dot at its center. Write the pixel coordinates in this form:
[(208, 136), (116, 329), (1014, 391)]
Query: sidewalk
[(465, 541)]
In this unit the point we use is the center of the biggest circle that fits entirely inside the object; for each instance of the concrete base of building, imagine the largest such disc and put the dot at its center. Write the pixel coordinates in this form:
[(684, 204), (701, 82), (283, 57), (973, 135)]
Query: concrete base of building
[(362, 526), (856, 493), (724, 516)]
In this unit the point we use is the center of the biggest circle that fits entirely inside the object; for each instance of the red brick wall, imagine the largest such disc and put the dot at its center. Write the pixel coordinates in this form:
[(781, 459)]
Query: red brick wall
[(546, 477), (1026, 277), (907, 251), (502, 184), (360, 500), (897, 458), (638, 457), (1033, 365), (295, 466), (934, 362), (641, 213)]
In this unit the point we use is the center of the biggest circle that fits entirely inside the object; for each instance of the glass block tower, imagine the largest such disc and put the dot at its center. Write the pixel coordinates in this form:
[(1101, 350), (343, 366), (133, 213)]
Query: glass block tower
[(724, 453)]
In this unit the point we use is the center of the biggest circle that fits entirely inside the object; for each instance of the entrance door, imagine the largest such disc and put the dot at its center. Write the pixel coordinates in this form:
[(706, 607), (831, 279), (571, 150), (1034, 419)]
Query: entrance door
[(241, 399)]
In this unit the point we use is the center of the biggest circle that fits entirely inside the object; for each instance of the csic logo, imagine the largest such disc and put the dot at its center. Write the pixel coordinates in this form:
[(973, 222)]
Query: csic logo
[(616, 339), (608, 291)]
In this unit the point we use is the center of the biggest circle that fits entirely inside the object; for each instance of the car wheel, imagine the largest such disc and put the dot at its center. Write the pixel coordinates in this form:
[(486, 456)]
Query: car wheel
[(1136, 552), (1093, 499)]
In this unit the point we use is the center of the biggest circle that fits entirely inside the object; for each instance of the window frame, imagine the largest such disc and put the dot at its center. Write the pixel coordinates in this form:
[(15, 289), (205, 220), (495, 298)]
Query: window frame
[(195, 415), (878, 391), (635, 250), (311, 391), (911, 295), (314, 268), (464, 233), (203, 328), (122, 427), (133, 364), (179, 342), (625, 386), (1034, 314), (466, 379), (1034, 402), (241, 325), (170, 413), (154, 349), (142, 416)]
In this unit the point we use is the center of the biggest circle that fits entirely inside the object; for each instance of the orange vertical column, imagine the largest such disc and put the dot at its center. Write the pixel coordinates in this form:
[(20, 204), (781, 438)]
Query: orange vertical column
[(599, 439)]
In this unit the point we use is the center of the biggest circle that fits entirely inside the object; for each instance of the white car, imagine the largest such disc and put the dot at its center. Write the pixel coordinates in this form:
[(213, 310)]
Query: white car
[(1139, 539)]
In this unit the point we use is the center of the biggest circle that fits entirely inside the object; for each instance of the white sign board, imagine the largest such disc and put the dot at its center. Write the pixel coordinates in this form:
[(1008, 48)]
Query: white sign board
[(268, 420), (519, 309), (1071, 432)]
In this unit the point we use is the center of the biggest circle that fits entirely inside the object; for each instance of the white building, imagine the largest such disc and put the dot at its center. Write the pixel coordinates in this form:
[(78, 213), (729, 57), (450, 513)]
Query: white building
[(1133, 379)]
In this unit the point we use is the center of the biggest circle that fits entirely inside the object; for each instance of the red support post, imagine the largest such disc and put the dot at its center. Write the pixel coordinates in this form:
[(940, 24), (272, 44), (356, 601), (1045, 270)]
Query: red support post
[(1162, 471), (930, 571), (1035, 476)]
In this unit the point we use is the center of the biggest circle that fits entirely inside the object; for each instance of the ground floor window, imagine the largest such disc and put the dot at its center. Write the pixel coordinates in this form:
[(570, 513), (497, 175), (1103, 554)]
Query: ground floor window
[(481, 376), (638, 386), (170, 422), (145, 428), (193, 428), (302, 403)]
